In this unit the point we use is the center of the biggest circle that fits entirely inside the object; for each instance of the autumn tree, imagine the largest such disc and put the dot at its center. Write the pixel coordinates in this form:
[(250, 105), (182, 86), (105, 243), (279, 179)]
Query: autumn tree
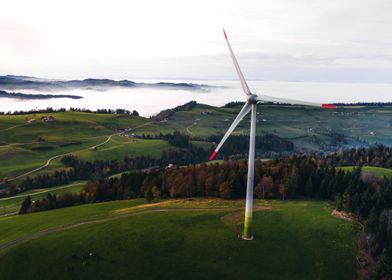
[(225, 190)]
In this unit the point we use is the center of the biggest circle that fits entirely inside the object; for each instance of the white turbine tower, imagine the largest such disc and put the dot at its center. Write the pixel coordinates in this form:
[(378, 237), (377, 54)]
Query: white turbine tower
[(251, 101)]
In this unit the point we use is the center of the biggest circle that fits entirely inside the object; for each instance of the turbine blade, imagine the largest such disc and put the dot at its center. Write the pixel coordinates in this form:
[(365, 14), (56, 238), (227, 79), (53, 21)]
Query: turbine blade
[(244, 111), (237, 67), (266, 98)]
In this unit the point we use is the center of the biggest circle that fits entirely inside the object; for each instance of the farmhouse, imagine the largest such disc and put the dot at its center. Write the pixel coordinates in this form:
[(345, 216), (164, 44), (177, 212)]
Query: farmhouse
[(47, 119)]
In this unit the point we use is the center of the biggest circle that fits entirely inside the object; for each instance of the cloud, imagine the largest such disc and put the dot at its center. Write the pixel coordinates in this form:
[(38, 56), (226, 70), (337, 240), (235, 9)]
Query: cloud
[(342, 40)]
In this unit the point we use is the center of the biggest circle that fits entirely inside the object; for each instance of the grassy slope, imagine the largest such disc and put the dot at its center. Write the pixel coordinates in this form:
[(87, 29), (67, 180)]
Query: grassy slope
[(12, 204), (86, 128), (377, 171), (291, 122), (118, 147), (13, 227), (295, 240)]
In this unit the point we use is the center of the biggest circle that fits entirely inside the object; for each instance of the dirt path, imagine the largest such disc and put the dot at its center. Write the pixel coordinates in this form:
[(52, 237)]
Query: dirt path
[(53, 141), (40, 192), (109, 137), (8, 214), (6, 246), (15, 126), (41, 167), (188, 128)]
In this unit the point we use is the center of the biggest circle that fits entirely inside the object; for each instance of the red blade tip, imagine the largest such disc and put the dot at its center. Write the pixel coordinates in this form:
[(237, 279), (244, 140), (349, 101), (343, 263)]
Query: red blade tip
[(213, 155), (329, 106), (224, 32)]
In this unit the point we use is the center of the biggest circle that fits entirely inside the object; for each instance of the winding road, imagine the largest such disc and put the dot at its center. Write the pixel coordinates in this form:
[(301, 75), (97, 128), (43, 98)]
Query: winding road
[(109, 137)]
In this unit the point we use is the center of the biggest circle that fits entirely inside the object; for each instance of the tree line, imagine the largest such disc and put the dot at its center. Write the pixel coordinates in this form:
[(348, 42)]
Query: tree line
[(84, 170), (237, 144), (379, 156), (51, 110)]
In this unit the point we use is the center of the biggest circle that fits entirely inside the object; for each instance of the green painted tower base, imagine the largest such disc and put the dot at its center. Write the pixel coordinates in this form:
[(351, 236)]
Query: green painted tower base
[(247, 238), (248, 222)]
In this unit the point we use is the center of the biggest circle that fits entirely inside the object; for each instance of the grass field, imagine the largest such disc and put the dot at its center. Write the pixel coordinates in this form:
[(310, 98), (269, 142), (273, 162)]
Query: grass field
[(28, 146), (193, 239), (377, 171), (12, 204), (118, 147), (24, 147)]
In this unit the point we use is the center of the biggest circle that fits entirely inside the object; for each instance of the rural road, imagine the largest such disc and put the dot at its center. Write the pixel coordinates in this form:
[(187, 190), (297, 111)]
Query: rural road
[(109, 137), (45, 191), (54, 141), (7, 245), (39, 168)]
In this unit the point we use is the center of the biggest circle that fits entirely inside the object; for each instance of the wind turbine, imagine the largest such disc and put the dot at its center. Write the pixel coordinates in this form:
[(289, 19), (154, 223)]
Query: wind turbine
[(250, 106)]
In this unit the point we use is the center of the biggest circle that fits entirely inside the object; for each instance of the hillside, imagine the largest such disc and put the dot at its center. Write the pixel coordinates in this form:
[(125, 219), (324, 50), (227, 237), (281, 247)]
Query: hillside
[(11, 205), (29, 141), (18, 95), (177, 239), (11, 82), (372, 170)]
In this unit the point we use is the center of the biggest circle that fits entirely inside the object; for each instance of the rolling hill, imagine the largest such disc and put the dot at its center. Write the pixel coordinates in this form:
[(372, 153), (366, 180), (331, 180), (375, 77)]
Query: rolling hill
[(178, 239), (27, 142)]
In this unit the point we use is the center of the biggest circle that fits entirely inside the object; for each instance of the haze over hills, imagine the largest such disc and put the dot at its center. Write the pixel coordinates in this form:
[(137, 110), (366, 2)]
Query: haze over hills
[(27, 96), (12, 82)]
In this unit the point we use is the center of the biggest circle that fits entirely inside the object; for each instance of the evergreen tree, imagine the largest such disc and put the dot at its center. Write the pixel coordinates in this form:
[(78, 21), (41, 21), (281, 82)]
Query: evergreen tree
[(309, 188), (148, 195), (26, 204)]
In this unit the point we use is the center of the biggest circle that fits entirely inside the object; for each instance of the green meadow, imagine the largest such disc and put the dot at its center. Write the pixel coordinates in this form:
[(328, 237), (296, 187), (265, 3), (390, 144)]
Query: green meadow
[(376, 171), (178, 239)]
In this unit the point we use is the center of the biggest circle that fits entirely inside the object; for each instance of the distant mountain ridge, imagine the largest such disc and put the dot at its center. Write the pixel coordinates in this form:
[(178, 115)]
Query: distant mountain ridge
[(27, 96), (12, 82)]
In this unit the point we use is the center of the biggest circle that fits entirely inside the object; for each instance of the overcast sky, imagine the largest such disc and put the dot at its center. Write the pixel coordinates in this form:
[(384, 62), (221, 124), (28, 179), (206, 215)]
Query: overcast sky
[(291, 40)]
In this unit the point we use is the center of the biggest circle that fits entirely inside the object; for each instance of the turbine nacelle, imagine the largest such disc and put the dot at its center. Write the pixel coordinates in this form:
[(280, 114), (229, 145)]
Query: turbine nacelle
[(252, 99)]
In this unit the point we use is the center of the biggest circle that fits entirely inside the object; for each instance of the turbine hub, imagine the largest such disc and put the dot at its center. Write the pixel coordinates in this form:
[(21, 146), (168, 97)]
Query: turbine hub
[(252, 99)]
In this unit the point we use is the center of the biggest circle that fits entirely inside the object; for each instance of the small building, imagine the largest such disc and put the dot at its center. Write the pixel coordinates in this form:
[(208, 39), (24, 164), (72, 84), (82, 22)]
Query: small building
[(47, 119), (170, 165)]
